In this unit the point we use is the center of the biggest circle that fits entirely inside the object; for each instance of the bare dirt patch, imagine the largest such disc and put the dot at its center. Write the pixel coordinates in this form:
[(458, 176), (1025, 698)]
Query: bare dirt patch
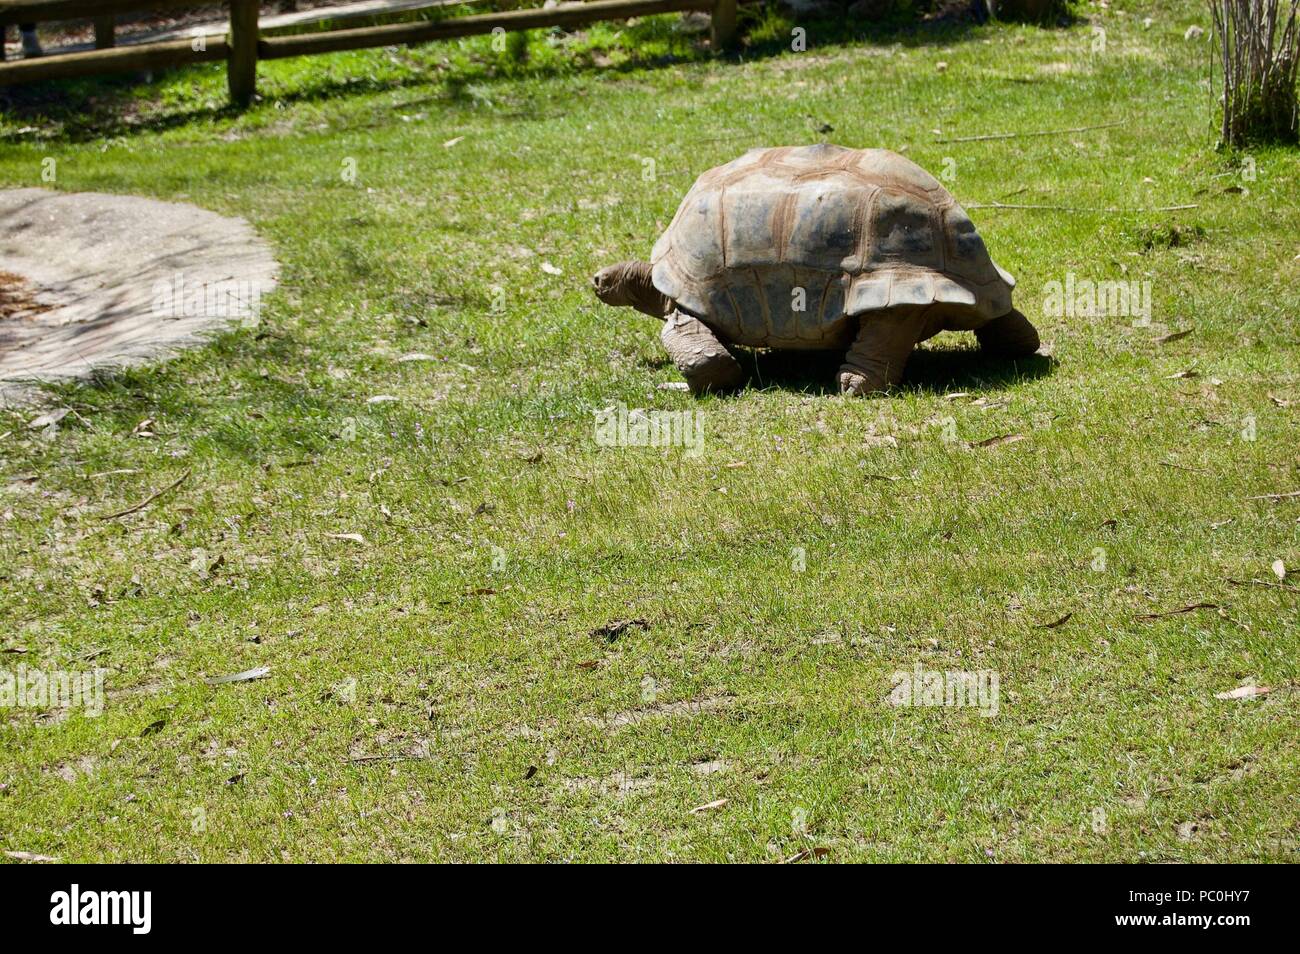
[(92, 282), (682, 709)]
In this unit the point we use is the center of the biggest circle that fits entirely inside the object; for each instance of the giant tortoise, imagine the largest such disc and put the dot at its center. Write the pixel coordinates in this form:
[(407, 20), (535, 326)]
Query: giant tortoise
[(818, 247)]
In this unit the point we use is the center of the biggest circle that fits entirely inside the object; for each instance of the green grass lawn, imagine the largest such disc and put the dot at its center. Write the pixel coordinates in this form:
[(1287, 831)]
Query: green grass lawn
[(443, 690)]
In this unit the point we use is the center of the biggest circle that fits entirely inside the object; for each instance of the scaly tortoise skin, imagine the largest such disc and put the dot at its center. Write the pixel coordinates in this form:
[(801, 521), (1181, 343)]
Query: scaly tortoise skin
[(818, 247)]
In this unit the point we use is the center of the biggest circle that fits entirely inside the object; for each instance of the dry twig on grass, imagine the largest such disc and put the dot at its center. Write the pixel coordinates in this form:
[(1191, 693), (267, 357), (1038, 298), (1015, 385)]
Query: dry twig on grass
[(148, 500)]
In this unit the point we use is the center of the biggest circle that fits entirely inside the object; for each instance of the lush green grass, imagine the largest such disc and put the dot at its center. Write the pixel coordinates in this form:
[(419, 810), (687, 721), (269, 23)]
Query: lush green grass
[(515, 734)]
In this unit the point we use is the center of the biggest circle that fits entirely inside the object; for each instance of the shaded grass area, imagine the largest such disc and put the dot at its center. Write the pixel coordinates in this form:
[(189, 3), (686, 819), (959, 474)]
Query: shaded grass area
[(98, 107), (436, 691)]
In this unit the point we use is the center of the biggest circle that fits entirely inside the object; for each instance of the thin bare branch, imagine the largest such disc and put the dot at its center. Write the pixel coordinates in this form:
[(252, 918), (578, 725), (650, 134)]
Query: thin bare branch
[(1026, 135)]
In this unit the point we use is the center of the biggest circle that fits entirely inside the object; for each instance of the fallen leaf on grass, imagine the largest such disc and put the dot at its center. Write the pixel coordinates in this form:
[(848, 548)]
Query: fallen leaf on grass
[(248, 675), (14, 650), (530, 772), (381, 399), (350, 537), (1000, 439), (1173, 336), (153, 728), (806, 854), (709, 806), (673, 386), (29, 856), (416, 356), (451, 142), (1052, 625), (550, 269), (1244, 692), (1189, 373), (616, 628), (47, 419), (1279, 402), (1279, 571), (1182, 609)]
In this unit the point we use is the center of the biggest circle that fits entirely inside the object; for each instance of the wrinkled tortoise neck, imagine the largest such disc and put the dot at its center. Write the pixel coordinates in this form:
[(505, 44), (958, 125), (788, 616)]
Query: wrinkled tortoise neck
[(633, 280)]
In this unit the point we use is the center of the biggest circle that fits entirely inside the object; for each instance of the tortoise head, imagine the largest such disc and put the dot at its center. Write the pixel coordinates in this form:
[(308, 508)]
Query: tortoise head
[(608, 284), (629, 284)]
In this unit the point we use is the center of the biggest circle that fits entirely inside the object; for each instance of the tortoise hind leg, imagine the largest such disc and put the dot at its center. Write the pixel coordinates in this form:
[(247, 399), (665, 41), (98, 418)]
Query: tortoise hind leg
[(702, 359), (880, 352), (1010, 336)]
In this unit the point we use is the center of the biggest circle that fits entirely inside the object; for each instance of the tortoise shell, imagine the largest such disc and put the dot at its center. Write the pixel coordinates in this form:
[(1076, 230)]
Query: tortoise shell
[(785, 248)]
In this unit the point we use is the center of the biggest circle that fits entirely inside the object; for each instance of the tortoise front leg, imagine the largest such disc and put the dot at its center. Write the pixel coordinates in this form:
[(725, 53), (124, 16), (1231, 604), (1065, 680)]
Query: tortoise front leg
[(702, 359), (880, 352)]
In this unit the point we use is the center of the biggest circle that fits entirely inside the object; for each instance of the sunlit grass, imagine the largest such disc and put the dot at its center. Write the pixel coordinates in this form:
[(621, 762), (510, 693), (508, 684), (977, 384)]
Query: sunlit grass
[(816, 546)]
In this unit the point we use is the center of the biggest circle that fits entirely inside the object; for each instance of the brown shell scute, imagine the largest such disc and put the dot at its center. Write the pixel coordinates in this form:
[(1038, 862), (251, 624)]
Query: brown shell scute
[(825, 225), (782, 247), (903, 232), (967, 255)]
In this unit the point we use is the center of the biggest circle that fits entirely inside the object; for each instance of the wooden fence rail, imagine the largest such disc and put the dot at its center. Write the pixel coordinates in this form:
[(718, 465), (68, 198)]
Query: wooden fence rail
[(243, 46), (37, 11)]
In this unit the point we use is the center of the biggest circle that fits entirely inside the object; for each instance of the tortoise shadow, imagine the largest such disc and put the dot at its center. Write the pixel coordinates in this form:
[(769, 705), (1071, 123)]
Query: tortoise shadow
[(930, 370)]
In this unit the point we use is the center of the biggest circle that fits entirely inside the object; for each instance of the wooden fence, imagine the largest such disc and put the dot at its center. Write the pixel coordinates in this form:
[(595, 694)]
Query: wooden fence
[(243, 46)]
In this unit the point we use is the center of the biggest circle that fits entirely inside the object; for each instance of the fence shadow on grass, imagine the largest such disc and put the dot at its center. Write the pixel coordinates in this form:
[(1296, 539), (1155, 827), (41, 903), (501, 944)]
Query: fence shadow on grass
[(109, 106)]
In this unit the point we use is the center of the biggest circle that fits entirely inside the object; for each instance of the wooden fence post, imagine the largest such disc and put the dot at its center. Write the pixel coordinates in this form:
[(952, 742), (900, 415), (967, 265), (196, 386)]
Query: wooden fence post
[(722, 24), (241, 68), (104, 29)]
